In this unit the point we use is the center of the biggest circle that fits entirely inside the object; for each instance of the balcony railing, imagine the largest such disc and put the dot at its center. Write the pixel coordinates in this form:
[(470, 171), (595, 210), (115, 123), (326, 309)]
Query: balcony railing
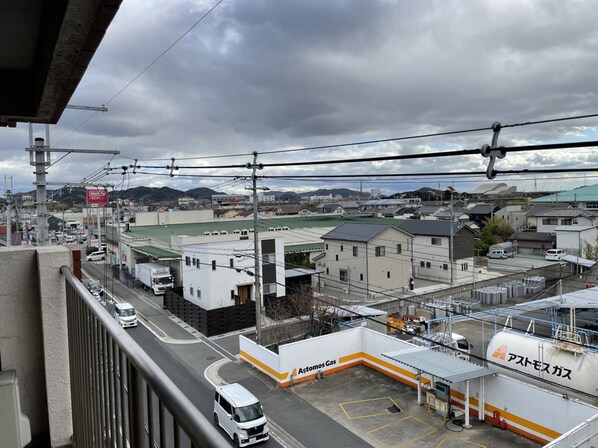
[(120, 397)]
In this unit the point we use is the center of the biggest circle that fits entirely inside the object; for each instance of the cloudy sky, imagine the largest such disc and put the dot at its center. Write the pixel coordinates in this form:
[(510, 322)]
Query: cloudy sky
[(266, 75)]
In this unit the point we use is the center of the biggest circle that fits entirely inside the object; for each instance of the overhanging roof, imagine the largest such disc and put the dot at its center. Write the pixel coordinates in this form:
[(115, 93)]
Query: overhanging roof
[(45, 48), (157, 253), (439, 365)]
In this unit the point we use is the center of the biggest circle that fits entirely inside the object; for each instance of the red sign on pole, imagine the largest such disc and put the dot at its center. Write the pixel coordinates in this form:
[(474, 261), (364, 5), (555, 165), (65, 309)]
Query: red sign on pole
[(98, 196)]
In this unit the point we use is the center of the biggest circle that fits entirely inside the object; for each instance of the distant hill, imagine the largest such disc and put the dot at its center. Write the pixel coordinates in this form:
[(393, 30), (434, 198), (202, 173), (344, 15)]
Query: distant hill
[(201, 192), (344, 192)]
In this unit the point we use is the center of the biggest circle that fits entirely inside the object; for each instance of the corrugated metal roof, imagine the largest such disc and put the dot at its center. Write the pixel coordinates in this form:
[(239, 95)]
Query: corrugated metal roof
[(440, 365), (157, 253), (588, 193)]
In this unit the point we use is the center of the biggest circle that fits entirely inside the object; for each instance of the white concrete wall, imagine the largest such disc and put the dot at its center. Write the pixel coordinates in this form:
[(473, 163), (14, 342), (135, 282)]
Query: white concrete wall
[(521, 405), (574, 242), (33, 335), (424, 251)]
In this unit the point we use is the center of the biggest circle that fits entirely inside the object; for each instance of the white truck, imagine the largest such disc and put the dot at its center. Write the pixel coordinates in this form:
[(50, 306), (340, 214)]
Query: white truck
[(154, 276), (454, 344)]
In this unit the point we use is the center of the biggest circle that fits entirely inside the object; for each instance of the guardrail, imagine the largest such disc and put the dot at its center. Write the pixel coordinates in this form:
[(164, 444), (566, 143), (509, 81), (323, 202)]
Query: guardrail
[(120, 397)]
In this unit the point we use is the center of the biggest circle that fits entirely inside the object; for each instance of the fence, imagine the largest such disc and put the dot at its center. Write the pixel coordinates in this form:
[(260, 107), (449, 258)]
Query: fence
[(120, 397)]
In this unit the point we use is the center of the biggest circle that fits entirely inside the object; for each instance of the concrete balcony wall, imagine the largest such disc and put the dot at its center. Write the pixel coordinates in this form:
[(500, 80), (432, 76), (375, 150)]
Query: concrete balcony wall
[(33, 336)]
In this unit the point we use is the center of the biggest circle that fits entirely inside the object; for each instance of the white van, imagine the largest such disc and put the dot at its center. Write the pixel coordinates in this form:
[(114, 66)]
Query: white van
[(125, 314), (555, 254), (500, 254), (97, 255), (240, 414)]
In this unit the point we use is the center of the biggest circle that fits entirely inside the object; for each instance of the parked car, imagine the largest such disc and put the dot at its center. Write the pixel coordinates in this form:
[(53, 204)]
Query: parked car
[(96, 288), (555, 254), (96, 256), (500, 254)]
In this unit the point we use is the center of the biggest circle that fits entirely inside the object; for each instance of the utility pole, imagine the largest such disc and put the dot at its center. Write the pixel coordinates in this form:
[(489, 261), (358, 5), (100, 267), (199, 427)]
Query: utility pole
[(452, 217), (256, 285), (8, 197), (40, 158)]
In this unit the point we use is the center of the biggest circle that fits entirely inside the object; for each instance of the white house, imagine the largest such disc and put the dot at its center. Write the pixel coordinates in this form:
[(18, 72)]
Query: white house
[(221, 274), (548, 220)]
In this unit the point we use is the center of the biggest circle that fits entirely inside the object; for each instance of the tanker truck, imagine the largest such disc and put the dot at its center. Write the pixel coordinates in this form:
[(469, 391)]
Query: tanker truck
[(154, 276), (515, 354)]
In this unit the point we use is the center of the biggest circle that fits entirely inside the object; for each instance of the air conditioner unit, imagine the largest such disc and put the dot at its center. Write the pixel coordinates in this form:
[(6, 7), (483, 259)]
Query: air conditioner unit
[(373, 295), (14, 426)]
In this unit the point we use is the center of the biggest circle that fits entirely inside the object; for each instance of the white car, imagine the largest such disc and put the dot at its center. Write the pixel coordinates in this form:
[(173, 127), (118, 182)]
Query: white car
[(555, 254), (96, 256)]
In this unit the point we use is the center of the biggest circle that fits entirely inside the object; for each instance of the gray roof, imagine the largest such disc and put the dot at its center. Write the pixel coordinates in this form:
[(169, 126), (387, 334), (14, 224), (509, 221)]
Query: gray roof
[(482, 209), (440, 365), (533, 236), (430, 227), (567, 212), (357, 232)]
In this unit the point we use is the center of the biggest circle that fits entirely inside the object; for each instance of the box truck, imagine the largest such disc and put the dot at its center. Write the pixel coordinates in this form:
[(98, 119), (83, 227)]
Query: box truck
[(154, 276)]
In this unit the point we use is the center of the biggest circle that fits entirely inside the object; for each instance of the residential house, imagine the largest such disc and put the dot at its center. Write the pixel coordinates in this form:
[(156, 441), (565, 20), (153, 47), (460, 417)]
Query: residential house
[(480, 213), (442, 251), (549, 220), (429, 211), (514, 215), (367, 259), (533, 243)]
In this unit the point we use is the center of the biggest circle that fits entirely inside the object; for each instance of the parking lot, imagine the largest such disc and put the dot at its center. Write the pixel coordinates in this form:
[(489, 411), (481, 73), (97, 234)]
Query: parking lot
[(385, 413)]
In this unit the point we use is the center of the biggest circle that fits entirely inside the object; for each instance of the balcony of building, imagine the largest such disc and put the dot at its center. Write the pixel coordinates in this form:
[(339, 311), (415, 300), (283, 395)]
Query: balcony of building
[(82, 380)]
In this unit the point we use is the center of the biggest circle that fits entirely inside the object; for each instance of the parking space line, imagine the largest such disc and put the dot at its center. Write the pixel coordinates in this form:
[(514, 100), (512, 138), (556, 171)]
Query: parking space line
[(397, 424), (449, 438), (357, 402)]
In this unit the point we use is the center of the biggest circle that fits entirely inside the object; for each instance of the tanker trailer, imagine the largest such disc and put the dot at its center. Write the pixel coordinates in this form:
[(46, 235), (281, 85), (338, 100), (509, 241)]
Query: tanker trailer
[(516, 354)]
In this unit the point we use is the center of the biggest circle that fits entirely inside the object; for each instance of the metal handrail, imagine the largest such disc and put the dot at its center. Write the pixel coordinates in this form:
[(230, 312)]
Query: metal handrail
[(197, 427)]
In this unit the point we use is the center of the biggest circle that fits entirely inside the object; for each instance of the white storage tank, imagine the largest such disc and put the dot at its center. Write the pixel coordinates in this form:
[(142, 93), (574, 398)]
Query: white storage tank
[(544, 359)]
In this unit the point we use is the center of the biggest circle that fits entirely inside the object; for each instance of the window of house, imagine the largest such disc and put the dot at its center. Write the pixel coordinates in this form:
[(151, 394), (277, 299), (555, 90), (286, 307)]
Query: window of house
[(188, 261), (566, 222), (355, 251), (191, 290), (269, 258), (436, 241), (422, 264), (231, 262), (343, 275), (465, 266), (380, 251), (326, 246), (592, 205), (399, 249), (213, 265), (428, 265), (199, 294), (341, 247), (232, 294), (388, 274), (327, 271), (445, 267), (360, 277), (550, 221), (336, 257), (270, 288)]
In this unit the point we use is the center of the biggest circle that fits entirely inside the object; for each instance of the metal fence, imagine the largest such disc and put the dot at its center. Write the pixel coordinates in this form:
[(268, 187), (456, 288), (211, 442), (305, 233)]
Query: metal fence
[(120, 397)]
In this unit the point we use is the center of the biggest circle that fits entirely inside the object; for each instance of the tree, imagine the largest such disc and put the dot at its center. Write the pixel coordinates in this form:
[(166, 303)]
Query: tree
[(496, 230), (590, 251)]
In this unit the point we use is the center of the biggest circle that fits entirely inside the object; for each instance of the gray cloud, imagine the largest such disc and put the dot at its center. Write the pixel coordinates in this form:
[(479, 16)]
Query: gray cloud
[(265, 75)]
